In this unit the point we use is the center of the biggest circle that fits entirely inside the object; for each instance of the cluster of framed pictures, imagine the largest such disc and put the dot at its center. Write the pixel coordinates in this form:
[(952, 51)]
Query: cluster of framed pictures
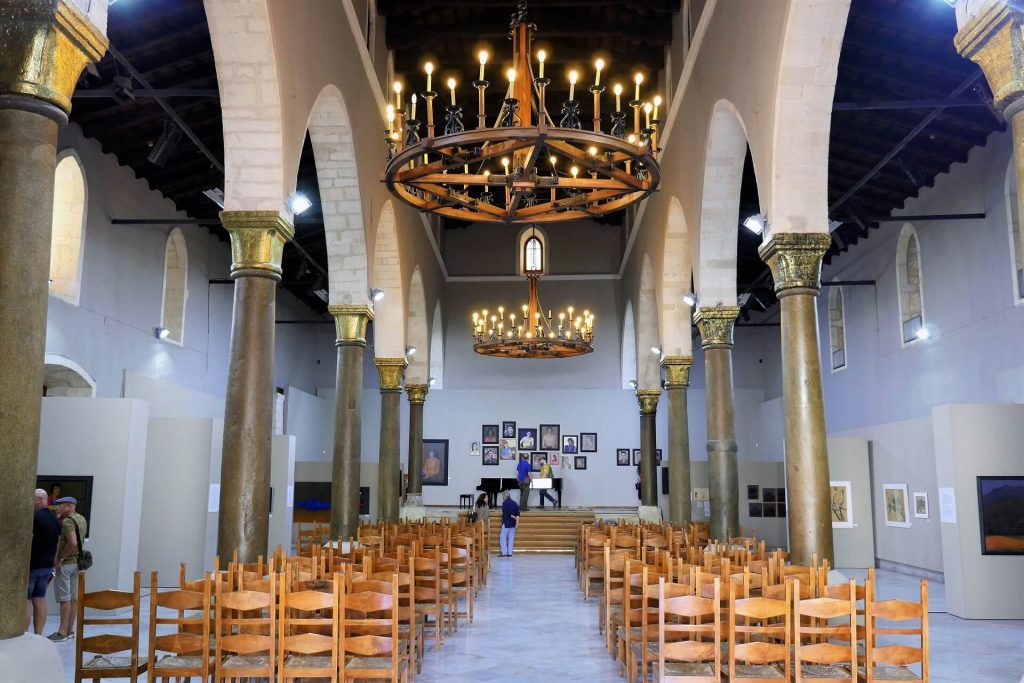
[(622, 458), (897, 508), (547, 443), (764, 501)]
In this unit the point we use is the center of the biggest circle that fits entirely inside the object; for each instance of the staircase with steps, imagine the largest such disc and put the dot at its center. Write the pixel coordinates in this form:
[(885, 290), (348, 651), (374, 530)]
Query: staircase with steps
[(543, 531)]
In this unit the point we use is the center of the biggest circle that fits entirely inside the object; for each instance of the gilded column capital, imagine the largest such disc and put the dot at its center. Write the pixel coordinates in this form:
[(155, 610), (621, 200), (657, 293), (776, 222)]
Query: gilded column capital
[(350, 321), (46, 44), (677, 371), (417, 393), (257, 242), (648, 400), (991, 39), (716, 325), (795, 259), (390, 370)]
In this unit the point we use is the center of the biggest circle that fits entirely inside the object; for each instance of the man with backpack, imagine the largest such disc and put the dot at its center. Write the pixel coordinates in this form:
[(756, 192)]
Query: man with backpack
[(69, 553)]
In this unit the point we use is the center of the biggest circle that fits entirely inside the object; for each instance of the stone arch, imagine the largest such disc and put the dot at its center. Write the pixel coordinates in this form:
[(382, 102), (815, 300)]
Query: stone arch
[(250, 100), (909, 285), (70, 204), (837, 328), (1013, 226), (389, 319), (64, 377), (437, 348), (720, 206), (675, 283), (648, 336), (418, 371), (804, 90), (172, 310), (628, 347), (330, 133)]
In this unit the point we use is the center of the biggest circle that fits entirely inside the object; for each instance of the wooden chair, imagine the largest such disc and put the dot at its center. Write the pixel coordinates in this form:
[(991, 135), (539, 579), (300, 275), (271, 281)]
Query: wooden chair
[(759, 636), (426, 575), (105, 647), (370, 655), (816, 658), (410, 626), (246, 621), (689, 635), (308, 633), (614, 591), (458, 585), (892, 662), (189, 646)]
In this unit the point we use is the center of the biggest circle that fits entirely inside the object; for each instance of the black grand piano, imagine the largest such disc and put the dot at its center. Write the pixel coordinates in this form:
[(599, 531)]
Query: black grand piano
[(492, 486)]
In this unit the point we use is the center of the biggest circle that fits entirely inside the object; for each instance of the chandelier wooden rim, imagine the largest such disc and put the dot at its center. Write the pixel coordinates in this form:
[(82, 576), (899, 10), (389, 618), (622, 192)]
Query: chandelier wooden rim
[(533, 348)]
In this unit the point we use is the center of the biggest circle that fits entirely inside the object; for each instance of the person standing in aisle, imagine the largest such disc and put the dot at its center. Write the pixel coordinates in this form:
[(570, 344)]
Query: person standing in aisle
[(509, 519), (523, 476)]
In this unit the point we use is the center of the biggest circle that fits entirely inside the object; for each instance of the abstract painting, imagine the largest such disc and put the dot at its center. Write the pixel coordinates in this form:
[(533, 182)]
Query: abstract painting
[(1001, 510)]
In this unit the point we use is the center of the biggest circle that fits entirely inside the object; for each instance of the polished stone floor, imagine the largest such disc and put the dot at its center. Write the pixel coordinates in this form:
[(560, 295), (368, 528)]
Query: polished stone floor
[(532, 625)]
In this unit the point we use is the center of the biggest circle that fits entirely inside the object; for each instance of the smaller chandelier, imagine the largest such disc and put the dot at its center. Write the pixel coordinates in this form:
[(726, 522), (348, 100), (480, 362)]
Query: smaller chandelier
[(533, 335)]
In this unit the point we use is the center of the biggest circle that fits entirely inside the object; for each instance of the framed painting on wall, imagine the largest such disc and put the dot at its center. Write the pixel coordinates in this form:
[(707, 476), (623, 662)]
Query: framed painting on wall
[(921, 504), (897, 508), (527, 438), (840, 495), (435, 462), (580, 462), (554, 459), (636, 456), (489, 435), (1001, 511), (570, 444), (537, 458), (622, 457), (754, 493), (549, 437), (508, 430), (657, 457), (588, 442), (755, 509), (490, 456), (768, 495), (507, 450)]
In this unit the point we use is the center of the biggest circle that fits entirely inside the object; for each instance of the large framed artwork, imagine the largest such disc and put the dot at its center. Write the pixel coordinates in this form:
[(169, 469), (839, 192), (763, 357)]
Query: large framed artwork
[(527, 438), (840, 503), (897, 507), (549, 437), (80, 488), (1001, 511), (588, 442), (435, 462), (489, 435), (622, 457), (490, 455), (508, 430)]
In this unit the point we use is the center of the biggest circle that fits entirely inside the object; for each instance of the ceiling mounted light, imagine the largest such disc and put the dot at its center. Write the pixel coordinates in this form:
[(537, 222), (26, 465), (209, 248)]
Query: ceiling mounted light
[(432, 381), (834, 225), (215, 195), (376, 294), (410, 350), (298, 203), (923, 333), (321, 294), (656, 350), (161, 332), (755, 223), (165, 146), (632, 383), (743, 298), (690, 299)]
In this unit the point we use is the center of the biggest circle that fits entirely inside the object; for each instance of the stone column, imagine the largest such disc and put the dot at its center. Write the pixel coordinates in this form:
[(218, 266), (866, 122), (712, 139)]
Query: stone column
[(350, 321), (413, 509), (648, 400), (716, 330), (43, 49), (257, 242), (677, 369), (389, 468), (795, 260)]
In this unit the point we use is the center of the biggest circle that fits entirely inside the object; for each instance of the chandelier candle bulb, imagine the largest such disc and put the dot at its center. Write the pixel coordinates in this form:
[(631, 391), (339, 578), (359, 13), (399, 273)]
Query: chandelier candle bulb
[(598, 65), (618, 97), (398, 95), (483, 60), (429, 68), (639, 78), (390, 116), (451, 86), (647, 111), (413, 99), (511, 73), (541, 56), (657, 103), (572, 84)]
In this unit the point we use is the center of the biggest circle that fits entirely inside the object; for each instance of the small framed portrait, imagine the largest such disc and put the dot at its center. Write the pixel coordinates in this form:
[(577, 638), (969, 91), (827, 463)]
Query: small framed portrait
[(489, 435), (537, 458), (435, 462), (474, 448), (527, 438), (755, 509), (508, 430), (490, 455), (588, 442), (780, 495), (580, 462), (549, 435), (768, 496), (554, 459), (921, 504), (622, 457), (507, 450), (636, 456), (768, 510), (571, 444), (657, 457), (754, 493), (781, 509)]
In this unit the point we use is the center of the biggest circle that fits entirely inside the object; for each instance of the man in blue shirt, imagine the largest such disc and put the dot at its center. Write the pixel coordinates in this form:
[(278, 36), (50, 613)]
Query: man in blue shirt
[(509, 517), (523, 474)]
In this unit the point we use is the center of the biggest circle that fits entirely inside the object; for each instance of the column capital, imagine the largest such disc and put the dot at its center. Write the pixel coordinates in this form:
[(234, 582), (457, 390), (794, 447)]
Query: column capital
[(46, 43), (677, 371), (350, 321), (417, 393), (716, 325), (795, 259), (991, 40), (257, 242), (648, 400), (390, 370)]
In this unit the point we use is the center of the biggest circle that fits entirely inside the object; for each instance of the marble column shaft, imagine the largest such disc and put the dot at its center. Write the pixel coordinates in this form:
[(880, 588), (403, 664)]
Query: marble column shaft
[(45, 47), (257, 242), (648, 400), (795, 260), (350, 321), (676, 384), (417, 394), (716, 325), (390, 370)]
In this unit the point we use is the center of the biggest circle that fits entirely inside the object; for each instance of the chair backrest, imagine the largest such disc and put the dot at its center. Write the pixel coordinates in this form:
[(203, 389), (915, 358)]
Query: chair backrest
[(764, 625), (105, 644), (246, 622), (307, 624), (685, 623), (897, 654), (816, 632), (363, 635), (190, 623)]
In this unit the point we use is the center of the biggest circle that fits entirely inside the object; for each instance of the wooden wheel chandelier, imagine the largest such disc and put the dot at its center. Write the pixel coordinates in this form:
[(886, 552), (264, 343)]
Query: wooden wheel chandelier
[(523, 168)]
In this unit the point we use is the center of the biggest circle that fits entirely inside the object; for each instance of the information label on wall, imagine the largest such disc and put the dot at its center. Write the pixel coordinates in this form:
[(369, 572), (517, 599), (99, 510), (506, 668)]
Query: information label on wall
[(213, 505), (947, 505)]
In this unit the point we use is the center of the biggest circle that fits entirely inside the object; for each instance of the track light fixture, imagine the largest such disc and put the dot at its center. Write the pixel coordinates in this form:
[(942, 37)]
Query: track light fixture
[(632, 383), (298, 203), (431, 381), (161, 332), (376, 294), (410, 350), (690, 299), (656, 350), (755, 224)]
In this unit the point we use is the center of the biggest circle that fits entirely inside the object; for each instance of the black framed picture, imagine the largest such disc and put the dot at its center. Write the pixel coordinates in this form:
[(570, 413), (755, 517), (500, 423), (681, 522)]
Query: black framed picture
[(507, 449), (489, 435), (571, 444), (580, 462), (527, 438), (78, 487), (781, 509), (537, 458), (1000, 511), (780, 496), (636, 456), (768, 496), (657, 457), (622, 457), (435, 462), (508, 430), (549, 437), (755, 509), (588, 442), (768, 510), (490, 455), (754, 493)]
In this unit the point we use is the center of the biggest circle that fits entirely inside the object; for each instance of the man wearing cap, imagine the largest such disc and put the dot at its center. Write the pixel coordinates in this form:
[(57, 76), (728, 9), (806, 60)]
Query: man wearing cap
[(73, 527), (45, 534)]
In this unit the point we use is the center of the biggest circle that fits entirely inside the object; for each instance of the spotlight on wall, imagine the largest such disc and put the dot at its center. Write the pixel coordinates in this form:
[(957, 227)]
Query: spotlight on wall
[(322, 294), (298, 203), (690, 299), (755, 223), (161, 332), (431, 381), (632, 383), (923, 333), (376, 294), (410, 350), (656, 350), (743, 298), (165, 145), (833, 225), (215, 195)]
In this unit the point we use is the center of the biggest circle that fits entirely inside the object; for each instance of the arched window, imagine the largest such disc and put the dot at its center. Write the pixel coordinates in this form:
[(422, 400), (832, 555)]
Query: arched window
[(68, 241), (533, 251), (909, 286), (1013, 220), (175, 287), (628, 348), (837, 328)]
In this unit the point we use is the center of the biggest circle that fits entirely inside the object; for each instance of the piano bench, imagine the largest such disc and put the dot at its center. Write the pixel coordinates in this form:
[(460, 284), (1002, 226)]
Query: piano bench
[(466, 501)]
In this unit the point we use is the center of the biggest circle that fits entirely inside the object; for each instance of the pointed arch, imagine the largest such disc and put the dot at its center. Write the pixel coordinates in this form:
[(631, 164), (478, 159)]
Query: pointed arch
[(172, 314), (837, 328), (389, 318), (437, 347), (909, 285), (648, 336), (64, 377), (675, 283), (418, 371), (67, 251), (628, 347)]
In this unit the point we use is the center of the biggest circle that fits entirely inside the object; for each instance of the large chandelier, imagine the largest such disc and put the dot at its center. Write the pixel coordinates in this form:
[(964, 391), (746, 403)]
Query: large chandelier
[(533, 334), (525, 167)]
